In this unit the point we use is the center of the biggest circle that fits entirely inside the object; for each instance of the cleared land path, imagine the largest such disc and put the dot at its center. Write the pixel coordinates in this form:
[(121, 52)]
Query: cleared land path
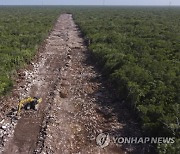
[(76, 106)]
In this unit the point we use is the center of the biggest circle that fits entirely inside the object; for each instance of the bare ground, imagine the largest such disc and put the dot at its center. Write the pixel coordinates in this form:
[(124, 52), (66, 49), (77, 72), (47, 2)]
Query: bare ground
[(78, 104)]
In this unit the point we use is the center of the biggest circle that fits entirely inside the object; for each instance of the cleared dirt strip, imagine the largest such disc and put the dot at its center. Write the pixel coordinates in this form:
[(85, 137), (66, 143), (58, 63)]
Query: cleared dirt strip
[(77, 104)]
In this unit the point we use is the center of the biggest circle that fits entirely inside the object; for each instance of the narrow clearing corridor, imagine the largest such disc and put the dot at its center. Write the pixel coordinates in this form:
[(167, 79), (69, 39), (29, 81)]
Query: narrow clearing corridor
[(77, 105)]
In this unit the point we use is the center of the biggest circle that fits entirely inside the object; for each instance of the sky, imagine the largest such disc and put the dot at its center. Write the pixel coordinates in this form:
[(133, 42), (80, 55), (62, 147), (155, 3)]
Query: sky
[(89, 2)]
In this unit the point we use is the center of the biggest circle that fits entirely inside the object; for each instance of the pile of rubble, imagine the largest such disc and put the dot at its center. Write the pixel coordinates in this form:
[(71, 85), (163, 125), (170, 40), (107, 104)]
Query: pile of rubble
[(7, 125)]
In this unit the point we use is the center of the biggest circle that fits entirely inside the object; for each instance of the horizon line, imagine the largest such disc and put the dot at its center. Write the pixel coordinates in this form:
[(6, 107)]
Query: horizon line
[(80, 5)]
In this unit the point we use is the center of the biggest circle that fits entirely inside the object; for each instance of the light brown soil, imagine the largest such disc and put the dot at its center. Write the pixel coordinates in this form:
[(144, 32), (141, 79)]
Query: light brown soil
[(77, 104)]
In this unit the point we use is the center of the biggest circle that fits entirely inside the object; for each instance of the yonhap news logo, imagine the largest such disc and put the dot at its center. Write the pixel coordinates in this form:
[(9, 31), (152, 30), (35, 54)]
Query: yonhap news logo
[(144, 140), (104, 140)]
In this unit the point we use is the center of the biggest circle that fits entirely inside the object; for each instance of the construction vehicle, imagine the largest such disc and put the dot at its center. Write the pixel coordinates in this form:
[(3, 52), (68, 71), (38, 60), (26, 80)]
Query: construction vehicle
[(28, 103)]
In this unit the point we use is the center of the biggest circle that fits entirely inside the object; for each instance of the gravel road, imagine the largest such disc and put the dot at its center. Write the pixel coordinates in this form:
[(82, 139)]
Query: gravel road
[(78, 103)]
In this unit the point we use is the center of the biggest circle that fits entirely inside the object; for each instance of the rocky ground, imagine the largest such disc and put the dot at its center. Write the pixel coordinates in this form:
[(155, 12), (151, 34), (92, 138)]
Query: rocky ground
[(78, 104)]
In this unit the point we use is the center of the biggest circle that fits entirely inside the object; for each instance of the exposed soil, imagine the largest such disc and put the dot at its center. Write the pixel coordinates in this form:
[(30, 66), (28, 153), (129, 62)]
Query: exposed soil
[(78, 104)]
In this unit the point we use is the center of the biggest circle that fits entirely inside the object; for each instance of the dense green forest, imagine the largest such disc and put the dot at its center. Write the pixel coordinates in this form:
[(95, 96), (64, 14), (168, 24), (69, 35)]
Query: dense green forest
[(139, 51), (22, 29)]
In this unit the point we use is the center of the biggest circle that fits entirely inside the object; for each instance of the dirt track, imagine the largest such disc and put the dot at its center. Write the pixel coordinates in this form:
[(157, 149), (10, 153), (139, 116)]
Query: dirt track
[(76, 107)]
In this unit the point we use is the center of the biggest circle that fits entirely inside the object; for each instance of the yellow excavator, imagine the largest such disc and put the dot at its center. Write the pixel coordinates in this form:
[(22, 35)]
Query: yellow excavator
[(28, 103)]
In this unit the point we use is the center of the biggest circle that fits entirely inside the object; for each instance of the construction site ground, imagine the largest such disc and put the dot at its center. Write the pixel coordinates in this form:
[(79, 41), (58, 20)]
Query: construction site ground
[(78, 102)]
